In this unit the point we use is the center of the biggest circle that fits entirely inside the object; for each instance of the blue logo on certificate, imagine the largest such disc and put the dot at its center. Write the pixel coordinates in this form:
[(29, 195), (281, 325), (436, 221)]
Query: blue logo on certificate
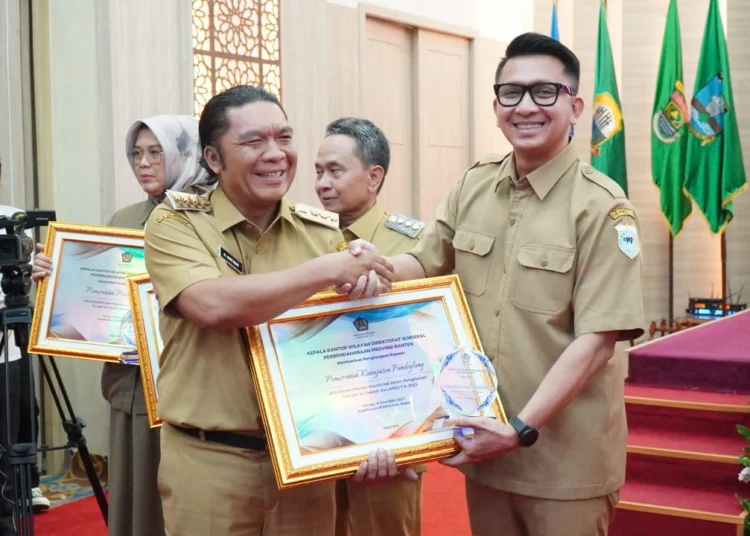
[(361, 324)]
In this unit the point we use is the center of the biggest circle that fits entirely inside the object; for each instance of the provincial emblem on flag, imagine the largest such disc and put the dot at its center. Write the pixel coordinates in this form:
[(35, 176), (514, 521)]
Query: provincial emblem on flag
[(668, 121), (707, 111), (607, 120)]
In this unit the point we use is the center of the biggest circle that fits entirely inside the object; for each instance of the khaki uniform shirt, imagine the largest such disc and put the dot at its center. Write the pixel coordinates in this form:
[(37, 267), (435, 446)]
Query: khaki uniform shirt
[(543, 259), (121, 384), (390, 237), (204, 378)]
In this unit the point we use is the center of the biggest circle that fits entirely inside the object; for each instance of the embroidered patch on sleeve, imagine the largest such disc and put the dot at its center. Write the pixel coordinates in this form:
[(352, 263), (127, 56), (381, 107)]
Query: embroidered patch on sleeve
[(627, 240)]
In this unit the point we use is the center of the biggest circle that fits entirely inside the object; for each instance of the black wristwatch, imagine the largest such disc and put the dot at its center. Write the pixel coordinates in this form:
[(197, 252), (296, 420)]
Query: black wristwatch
[(527, 435)]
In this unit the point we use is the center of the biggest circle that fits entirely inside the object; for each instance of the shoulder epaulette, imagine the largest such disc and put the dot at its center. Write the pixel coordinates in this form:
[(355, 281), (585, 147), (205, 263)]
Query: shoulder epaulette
[(599, 178), (317, 215), (490, 159), (183, 201), (404, 225)]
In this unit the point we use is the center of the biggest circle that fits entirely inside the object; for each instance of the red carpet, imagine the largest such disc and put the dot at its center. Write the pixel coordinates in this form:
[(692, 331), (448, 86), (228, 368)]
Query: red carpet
[(444, 510), (656, 482), (444, 503), (78, 518)]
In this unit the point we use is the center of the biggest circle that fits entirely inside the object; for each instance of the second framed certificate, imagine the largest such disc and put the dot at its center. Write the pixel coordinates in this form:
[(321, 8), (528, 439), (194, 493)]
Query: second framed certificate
[(145, 309), (337, 379), (82, 309)]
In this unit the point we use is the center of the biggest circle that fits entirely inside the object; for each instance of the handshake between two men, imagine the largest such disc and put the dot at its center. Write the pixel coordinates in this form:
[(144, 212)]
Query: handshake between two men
[(368, 275)]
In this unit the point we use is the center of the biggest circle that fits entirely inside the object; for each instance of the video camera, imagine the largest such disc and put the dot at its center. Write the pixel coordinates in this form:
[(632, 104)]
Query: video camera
[(16, 249)]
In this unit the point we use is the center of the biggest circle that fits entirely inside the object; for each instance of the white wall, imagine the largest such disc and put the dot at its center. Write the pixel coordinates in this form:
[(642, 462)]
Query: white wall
[(500, 20), (151, 73)]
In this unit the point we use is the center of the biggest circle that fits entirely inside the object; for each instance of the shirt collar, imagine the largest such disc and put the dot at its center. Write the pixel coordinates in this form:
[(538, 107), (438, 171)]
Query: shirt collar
[(228, 216), (545, 177), (366, 225)]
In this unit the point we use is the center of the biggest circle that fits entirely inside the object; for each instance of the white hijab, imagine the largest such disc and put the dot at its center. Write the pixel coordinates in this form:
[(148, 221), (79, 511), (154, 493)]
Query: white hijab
[(178, 137)]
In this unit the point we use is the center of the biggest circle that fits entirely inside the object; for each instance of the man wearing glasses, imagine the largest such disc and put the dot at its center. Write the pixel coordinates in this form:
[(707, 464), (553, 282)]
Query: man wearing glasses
[(547, 250)]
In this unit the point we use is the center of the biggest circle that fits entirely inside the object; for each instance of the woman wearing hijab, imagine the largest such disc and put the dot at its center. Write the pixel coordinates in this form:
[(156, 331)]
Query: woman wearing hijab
[(164, 152)]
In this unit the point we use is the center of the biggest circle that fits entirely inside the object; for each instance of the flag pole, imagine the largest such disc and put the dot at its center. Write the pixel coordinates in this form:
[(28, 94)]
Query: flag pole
[(671, 280), (724, 297)]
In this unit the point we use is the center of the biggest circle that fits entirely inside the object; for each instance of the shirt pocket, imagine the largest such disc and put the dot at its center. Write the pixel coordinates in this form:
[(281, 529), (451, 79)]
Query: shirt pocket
[(544, 278), (473, 259)]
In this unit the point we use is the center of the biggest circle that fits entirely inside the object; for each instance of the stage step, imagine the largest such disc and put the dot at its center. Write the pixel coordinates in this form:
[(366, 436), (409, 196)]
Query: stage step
[(637, 523), (685, 433), (699, 490), (713, 356), (686, 399), (683, 446)]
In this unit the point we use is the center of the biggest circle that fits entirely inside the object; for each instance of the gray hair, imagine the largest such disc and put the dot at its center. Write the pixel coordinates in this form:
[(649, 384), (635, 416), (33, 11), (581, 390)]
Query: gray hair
[(370, 144)]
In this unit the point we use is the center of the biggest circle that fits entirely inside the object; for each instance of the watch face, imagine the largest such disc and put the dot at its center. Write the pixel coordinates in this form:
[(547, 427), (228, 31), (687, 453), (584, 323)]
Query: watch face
[(529, 437)]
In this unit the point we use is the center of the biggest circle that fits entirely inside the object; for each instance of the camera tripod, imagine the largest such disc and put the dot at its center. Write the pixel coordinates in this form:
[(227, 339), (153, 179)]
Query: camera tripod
[(17, 317)]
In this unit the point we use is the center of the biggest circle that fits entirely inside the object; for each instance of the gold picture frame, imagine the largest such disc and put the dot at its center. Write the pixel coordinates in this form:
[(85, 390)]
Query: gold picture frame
[(290, 360), (82, 308), (145, 307)]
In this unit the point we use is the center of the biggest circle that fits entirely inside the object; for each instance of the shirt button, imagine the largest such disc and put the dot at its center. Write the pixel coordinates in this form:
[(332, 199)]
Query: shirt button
[(497, 313), (512, 222), (258, 249), (471, 244), (543, 263)]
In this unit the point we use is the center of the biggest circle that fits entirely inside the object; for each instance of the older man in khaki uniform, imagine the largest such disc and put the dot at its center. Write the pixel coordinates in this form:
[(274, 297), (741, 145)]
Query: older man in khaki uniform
[(233, 258), (351, 166), (547, 250)]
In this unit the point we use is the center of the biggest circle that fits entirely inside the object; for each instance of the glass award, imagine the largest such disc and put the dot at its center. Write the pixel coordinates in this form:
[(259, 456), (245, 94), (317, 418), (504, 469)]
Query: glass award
[(127, 330), (467, 382)]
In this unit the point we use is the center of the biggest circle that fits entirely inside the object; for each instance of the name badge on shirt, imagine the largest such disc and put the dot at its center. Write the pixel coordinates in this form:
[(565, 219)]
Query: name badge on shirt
[(233, 263)]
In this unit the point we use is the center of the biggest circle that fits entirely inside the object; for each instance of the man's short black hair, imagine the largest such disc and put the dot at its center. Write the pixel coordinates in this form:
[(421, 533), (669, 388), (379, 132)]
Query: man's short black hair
[(214, 123), (370, 144), (534, 44)]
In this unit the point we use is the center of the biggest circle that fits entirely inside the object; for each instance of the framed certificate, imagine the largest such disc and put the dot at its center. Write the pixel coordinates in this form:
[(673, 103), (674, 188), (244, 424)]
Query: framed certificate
[(338, 378), (82, 309), (145, 309)]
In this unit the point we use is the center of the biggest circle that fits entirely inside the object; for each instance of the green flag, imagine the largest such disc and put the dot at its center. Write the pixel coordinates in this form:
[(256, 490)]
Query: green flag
[(608, 129), (669, 127), (714, 170)]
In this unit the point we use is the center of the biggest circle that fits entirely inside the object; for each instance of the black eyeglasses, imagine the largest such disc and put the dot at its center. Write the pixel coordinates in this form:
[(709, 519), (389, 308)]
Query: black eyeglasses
[(542, 93)]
